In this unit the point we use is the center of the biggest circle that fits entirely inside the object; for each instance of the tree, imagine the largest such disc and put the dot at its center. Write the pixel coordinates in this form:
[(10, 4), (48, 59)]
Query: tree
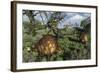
[(45, 23)]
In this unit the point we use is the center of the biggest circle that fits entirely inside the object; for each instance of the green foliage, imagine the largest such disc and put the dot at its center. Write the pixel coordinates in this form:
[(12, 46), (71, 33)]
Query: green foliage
[(71, 46)]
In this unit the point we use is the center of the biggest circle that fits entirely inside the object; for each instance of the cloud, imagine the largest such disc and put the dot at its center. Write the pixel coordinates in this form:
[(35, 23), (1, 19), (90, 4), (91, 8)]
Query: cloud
[(73, 18), (25, 18)]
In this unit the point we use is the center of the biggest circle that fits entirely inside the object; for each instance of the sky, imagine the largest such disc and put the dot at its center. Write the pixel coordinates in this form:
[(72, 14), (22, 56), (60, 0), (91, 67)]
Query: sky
[(71, 18), (74, 19)]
